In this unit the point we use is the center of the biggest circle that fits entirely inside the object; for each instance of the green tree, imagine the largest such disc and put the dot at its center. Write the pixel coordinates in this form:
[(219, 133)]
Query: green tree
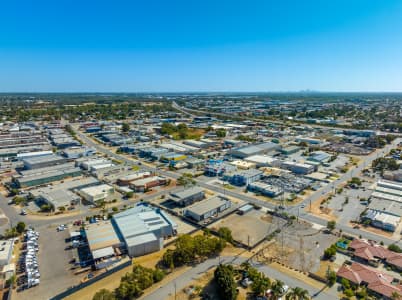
[(277, 289), (125, 127), (226, 234), (260, 284), (20, 227), (331, 277), (297, 293), (186, 180), (104, 294), (224, 278), (395, 248), (331, 225)]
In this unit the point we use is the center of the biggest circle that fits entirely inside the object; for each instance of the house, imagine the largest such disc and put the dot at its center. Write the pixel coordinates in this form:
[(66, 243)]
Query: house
[(372, 253), (380, 284)]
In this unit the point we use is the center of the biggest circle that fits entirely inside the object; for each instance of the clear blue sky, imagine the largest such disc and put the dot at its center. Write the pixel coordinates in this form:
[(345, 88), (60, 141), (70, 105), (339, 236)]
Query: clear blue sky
[(200, 45)]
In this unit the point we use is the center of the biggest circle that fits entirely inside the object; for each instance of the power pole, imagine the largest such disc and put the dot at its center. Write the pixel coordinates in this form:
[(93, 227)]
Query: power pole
[(302, 257)]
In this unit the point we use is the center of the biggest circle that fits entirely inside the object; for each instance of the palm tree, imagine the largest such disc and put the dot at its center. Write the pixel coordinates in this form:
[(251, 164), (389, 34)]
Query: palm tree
[(297, 293), (276, 289)]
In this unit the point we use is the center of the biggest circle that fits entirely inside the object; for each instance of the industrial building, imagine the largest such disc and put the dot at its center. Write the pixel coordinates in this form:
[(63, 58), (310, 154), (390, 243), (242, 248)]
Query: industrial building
[(297, 168), (96, 193), (244, 177), (62, 195), (187, 196), (254, 149), (77, 152), (320, 157), (24, 155), (143, 229), (382, 219), (263, 161), (126, 180), (242, 164), (47, 175), (217, 168), (43, 161), (6, 251), (145, 184), (172, 157), (265, 189), (208, 208)]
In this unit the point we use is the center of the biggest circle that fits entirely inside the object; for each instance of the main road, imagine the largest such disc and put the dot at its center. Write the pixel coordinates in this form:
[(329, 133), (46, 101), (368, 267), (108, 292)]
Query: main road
[(353, 171)]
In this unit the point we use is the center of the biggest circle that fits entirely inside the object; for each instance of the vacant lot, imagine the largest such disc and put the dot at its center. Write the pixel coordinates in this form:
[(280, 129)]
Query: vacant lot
[(250, 228)]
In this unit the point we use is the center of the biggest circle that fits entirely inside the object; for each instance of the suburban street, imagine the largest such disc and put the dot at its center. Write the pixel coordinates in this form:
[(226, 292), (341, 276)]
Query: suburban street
[(196, 272)]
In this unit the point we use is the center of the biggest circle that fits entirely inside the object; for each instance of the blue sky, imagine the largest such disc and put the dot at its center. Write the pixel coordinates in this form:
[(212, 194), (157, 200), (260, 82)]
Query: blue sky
[(156, 46)]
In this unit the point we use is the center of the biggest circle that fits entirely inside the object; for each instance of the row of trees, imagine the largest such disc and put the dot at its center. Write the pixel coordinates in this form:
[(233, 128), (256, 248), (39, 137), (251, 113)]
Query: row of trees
[(191, 249), (132, 284), (383, 164), (224, 277)]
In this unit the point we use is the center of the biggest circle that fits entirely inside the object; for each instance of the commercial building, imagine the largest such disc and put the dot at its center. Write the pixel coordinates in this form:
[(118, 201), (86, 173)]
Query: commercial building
[(208, 208), (262, 148), (96, 193), (37, 162), (143, 229), (145, 184), (187, 196)]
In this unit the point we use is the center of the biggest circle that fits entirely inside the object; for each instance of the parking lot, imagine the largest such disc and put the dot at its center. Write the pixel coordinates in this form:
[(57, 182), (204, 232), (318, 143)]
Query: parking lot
[(53, 261), (250, 228)]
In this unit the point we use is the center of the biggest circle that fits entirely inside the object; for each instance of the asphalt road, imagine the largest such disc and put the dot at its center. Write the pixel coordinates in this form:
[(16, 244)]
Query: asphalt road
[(193, 274)]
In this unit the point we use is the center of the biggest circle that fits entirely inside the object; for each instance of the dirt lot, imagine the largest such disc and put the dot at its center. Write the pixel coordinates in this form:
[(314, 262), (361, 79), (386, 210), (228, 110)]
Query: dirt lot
[(250, 228), (298, 246)]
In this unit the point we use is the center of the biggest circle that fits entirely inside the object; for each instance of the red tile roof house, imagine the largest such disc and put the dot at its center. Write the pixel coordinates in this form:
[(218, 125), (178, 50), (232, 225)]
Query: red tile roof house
[(381, 285), (372, 253)]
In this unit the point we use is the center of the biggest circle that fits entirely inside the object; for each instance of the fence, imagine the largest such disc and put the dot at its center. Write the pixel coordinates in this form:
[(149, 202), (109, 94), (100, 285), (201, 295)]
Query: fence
[(80, 286)]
